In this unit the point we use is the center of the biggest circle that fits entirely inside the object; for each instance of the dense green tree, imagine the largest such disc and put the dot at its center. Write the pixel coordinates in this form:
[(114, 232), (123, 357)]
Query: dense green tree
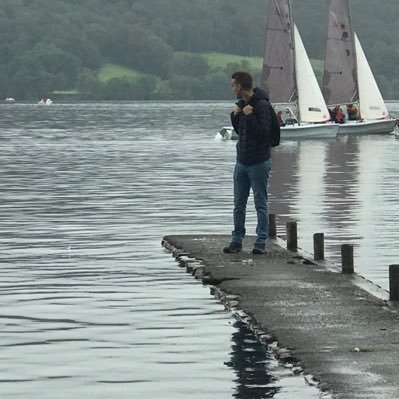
[(119, 89), (148, 53), (395, 88), (187, 64), (145, 88), (187, 88), (50, 45), (217, 86), (4, 81), (54, 60), (89, 86)]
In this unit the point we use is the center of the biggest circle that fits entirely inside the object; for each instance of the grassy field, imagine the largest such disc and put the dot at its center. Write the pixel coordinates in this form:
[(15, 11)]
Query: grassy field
[(221, 60), (110, 71), (216, 60)]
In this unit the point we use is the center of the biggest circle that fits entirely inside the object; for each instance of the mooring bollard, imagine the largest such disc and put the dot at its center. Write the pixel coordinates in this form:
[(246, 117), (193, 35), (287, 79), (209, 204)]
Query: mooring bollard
[(292, 236), (347, 259), (272, 225), (318, 246), (394, 282)]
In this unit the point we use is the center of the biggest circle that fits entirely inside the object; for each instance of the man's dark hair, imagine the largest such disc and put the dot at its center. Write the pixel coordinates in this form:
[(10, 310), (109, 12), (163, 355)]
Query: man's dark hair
[(244, 79)]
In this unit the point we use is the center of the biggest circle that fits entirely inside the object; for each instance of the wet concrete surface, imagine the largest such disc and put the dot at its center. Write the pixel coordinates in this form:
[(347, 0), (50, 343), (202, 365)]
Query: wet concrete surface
[(338, 332)]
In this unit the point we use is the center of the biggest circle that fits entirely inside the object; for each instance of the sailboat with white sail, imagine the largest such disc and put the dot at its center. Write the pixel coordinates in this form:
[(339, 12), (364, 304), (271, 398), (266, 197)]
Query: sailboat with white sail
[(288, 77), (348, 78)]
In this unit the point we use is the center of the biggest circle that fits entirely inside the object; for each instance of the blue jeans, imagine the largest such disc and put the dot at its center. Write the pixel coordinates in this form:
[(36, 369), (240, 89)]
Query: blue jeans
[(245, 178)]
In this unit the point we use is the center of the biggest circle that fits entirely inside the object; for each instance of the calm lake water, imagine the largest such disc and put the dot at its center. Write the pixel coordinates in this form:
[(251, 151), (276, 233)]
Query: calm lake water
[(92, 306)]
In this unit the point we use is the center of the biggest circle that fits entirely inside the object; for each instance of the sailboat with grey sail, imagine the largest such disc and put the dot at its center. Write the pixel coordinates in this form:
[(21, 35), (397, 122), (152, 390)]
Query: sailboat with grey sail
[(289, 79), (348, 79)]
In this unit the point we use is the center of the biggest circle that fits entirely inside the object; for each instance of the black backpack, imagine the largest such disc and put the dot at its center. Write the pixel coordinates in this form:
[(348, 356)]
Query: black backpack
[(275, 132), (274, 138)]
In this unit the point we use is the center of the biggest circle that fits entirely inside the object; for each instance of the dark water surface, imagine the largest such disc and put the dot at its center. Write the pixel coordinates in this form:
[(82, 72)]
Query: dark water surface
[(92, 306)]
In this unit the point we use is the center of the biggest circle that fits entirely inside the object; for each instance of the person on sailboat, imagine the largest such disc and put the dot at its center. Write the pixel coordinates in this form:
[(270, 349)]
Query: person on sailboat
[(340, 116), (252, 120), (279, 116), (352, 112), (337, 115)]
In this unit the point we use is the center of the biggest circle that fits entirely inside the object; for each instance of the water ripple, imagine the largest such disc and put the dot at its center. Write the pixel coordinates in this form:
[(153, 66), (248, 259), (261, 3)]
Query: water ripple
[(92, 306)]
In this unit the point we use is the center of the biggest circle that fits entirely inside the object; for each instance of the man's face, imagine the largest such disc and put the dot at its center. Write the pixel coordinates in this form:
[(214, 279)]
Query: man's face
[(236, 88)]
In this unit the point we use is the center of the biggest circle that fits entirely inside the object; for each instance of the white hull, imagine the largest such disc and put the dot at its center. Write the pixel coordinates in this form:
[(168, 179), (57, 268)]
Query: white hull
[(381, 126), (226, 133), (292, 132), (309, 131)]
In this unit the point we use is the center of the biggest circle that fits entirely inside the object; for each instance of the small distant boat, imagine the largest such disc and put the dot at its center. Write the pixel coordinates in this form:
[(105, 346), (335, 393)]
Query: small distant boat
[(10, 100), (348, 78), (226, 133), (45, 101)]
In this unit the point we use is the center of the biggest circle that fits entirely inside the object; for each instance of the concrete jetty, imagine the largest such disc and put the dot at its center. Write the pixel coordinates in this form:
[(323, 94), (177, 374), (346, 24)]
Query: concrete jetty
[(330, 326)]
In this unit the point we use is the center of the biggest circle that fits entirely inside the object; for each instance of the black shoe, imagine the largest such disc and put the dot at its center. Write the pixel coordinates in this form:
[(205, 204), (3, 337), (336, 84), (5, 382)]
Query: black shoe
[(259, 249), (233, 248)]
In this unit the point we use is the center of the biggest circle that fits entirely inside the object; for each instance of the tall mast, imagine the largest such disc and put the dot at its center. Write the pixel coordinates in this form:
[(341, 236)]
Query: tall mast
[(293, 29), (278, 72), (292, 39)]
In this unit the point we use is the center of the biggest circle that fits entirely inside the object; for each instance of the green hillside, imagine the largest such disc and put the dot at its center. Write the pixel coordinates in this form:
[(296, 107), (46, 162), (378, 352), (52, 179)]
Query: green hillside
[(216, 61), (164, 49)]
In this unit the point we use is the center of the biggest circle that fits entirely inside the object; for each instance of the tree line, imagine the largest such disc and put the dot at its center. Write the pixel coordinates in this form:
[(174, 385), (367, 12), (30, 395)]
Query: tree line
[(48, 45)]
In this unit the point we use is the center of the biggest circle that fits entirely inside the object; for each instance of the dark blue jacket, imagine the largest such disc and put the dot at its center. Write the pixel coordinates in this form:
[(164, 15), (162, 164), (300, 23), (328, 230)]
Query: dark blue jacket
[(253, 131)]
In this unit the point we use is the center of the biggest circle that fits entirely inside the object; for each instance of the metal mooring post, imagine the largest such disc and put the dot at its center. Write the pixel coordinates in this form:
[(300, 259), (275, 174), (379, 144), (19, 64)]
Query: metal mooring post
[(318, 246), (272, 225), (292, 236), (347, 259), (394, 282)]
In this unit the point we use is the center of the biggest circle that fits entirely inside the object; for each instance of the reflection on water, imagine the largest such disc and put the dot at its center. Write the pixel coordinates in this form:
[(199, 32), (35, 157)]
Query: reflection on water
[(249, 361), (258, 374), (346, 189), (91, 305)]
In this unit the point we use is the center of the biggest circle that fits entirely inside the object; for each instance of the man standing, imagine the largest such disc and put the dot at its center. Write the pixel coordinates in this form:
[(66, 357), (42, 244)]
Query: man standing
[(252, 120)]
